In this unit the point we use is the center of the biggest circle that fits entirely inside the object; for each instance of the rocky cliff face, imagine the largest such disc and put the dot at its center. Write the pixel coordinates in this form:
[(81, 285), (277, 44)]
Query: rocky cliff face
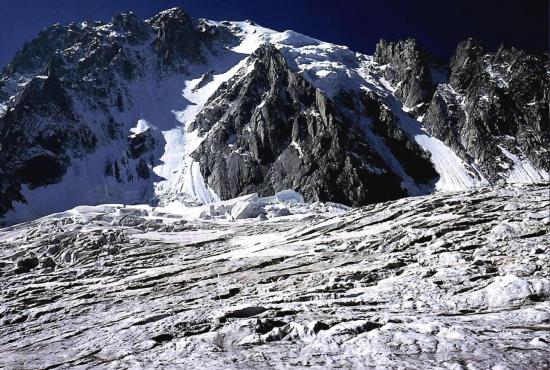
[(72, 97), (493, 111), (175, 108), (269, 129), (502, 101), (412, 70)]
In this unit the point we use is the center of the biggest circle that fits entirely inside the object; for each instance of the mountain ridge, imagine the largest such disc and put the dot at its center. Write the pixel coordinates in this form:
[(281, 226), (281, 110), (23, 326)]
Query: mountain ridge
[(126, 104)]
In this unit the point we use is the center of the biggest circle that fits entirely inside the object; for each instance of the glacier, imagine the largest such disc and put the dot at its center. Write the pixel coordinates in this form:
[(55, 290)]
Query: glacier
[(445, 281)]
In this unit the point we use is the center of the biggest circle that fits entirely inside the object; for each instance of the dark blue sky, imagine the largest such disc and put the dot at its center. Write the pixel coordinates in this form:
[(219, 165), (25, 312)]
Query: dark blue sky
[(437, 24)]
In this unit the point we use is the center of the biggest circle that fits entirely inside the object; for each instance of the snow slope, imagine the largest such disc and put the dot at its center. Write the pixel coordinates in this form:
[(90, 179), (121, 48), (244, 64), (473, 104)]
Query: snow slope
[(522, 170), (165, 106)]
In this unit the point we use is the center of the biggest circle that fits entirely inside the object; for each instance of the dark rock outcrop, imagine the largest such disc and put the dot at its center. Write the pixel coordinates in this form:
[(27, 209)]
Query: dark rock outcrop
[(135, 30), (414, 160), (181, 39), (176, 37), (26, 263), (269, 129), (494, 101), (409, 68), (141, 143)]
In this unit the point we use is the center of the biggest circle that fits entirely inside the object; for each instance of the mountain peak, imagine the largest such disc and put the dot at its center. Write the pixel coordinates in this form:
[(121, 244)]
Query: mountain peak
[(470, 46), (232, 107), (409, 68), (174, 13), (125, 17)]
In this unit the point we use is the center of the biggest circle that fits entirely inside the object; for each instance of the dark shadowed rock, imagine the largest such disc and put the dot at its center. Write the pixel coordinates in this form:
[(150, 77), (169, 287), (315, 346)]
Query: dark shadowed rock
[(26, 263), (280, 132), (180, 38), (135, 29), (140, 144), (494, 102), (47, 263), (411, 70)]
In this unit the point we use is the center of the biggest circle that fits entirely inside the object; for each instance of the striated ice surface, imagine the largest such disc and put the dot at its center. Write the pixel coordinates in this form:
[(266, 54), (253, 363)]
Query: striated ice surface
[(448, 281)]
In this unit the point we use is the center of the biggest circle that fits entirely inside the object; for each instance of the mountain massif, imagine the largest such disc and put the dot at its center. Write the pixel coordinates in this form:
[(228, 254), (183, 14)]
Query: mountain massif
[(176, 109)]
